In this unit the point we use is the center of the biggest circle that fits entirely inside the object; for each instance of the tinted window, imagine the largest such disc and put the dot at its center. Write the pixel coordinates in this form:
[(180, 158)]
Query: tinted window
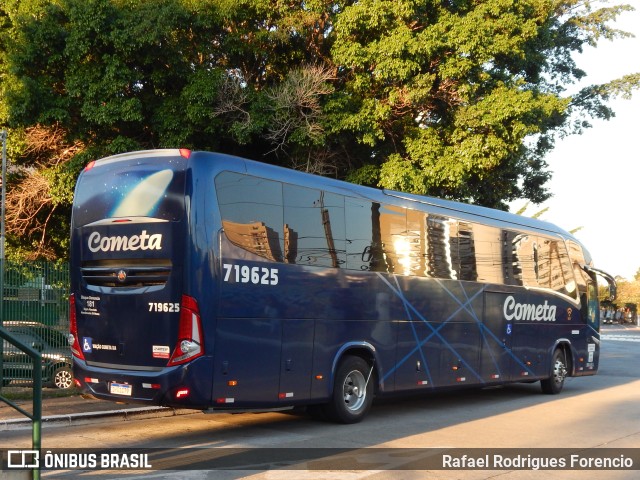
[(488, 249), (314, 227), (137, 187), (513, 257), (303, 226), (442, 254), (362, 223), (416, 242), (525, 256), (466, 251), (375, 236), (252, 213), (576, 256), (394, 241), (554, 268)]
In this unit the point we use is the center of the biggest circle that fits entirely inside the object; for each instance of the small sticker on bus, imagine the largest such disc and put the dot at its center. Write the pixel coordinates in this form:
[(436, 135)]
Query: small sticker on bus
[(161, 351)]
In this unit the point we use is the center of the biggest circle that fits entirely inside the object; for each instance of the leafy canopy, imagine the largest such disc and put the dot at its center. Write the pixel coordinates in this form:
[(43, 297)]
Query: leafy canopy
[(461, 99)]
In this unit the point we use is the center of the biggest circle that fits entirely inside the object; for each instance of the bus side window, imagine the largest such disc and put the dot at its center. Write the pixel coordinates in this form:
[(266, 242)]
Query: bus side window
[(554, 267), (314, 227), (252, 213), (467, 251), (487, 248), (516, 257), (525, 251), (376, 236), (363, 238)]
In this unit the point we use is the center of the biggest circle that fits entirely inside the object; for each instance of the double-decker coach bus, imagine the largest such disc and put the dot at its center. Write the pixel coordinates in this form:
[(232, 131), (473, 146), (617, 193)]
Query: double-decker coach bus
[(208, 281)]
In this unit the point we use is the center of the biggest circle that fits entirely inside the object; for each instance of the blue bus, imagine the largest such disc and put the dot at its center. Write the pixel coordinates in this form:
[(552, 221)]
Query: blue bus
[(206, 281)]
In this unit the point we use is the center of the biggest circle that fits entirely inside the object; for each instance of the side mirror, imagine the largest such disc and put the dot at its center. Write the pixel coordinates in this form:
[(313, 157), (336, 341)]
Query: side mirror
[(613, 288)]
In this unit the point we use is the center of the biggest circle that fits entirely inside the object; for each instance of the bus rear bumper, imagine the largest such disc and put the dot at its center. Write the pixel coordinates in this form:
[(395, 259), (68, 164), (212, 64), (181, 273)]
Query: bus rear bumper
[(182, 386)]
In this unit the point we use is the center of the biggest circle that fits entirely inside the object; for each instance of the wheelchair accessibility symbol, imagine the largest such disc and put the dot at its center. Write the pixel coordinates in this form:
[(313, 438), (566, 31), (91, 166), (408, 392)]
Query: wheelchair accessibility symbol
[(87, 344)]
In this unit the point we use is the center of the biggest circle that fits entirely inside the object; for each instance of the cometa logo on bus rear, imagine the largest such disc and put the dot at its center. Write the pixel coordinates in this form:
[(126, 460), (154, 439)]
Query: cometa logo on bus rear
[(144, 241), (528, 311)]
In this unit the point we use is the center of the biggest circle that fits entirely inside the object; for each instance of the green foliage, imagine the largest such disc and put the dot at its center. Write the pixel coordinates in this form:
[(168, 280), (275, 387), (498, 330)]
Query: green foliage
[(628, 292), (459, 99)]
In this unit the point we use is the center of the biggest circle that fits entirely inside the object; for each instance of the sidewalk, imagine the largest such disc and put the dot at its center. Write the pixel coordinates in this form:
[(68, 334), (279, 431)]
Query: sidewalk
[(60, 411), (617, 327)]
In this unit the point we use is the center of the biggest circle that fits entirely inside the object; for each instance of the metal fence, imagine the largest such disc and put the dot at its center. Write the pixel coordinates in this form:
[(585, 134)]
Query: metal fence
[(36, 292), (35, 311)]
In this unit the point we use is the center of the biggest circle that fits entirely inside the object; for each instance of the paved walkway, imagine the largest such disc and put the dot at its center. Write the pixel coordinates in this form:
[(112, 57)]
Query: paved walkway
[(76, 408)]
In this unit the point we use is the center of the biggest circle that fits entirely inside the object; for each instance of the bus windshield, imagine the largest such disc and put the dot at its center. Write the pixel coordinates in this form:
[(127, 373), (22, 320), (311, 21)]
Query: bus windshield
[(148, 187)]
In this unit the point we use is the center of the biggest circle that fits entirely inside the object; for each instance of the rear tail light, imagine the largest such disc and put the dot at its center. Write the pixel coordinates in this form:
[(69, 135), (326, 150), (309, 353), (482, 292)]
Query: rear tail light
[(189, 344), (76, 350)]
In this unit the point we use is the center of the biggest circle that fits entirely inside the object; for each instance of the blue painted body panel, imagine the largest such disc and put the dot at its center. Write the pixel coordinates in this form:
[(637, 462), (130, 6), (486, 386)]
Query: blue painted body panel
[(269, 345)]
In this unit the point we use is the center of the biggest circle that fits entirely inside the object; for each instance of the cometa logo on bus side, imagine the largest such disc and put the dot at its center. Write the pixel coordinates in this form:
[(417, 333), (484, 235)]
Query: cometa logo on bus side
[(144, 241), (528, 311)]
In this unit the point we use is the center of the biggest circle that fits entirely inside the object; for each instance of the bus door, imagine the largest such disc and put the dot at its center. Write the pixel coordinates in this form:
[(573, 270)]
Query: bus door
[(496, 364), (593, 320), (261, 355), (248, 340), (591, 310)]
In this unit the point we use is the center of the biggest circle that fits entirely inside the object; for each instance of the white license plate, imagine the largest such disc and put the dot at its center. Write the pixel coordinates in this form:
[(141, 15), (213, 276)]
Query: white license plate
[(120, 389)]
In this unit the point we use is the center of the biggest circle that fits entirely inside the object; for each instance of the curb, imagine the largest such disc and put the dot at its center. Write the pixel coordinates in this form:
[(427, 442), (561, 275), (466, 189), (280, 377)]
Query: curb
[(124, 414)]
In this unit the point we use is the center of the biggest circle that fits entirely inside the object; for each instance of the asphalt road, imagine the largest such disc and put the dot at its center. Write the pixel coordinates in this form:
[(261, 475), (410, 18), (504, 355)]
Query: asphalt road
[(400, 439)]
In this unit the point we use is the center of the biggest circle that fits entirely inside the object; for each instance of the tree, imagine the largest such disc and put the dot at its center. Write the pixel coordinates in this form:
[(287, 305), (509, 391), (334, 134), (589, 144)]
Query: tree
[(628, 292), (457, 99), (40, 197), (464, 99)]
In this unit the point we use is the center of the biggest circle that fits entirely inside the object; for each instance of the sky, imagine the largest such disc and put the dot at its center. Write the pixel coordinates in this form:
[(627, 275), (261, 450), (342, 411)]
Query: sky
[(596, 175)]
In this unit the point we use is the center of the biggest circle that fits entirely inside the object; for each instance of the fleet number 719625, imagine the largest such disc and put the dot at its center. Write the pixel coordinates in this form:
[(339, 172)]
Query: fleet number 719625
[(245, 274)]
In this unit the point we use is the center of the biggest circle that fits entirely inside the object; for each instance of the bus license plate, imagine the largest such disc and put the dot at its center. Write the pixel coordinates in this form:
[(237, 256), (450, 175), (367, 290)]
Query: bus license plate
[(120, 389)]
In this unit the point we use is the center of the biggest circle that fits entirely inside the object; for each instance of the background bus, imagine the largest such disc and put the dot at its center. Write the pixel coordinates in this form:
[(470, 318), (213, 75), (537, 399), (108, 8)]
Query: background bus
[(208, 281)]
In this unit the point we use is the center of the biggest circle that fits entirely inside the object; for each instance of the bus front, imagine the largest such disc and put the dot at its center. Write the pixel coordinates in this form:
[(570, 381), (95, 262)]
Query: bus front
[(136, 334)]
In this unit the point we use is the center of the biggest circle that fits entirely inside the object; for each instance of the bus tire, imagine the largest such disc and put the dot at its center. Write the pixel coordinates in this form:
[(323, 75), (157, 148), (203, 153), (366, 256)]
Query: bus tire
[(554, 384), (62, 378), (352, 391)]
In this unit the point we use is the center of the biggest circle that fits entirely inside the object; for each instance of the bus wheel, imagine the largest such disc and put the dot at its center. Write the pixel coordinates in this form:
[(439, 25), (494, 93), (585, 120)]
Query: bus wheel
[(352, 391), (553, 385), (63, 378)]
